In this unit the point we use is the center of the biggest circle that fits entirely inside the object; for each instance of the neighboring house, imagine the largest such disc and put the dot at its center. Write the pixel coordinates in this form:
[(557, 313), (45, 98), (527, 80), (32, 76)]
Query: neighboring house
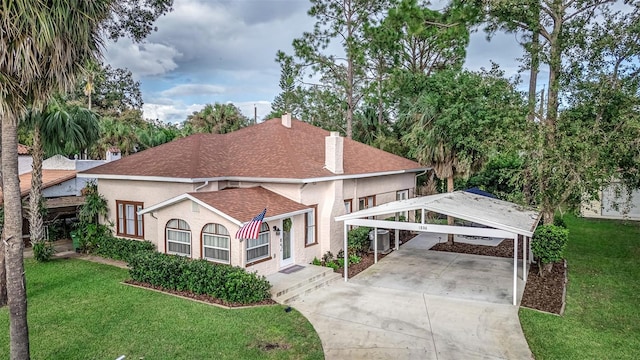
[(614, 202), (191, 196), (24, 159), (61, 189)]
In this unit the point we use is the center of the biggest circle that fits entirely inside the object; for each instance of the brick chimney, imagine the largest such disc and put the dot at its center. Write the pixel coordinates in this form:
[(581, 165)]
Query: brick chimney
[(286, 120), (333, 152)]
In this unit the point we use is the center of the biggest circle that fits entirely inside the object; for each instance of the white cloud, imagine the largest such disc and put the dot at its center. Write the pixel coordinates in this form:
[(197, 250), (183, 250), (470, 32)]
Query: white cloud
[(145, 59), (193, 89)]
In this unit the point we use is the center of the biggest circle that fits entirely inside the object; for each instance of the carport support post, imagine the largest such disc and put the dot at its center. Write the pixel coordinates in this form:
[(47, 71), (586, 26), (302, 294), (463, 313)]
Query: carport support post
[(375, 245), (524, 257), (397, 238), (346, 251), (515, 268)]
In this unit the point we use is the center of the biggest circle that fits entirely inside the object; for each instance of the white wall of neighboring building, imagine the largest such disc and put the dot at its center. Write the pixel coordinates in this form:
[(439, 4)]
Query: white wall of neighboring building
[(24, 164), (614, 202), (71, 187)]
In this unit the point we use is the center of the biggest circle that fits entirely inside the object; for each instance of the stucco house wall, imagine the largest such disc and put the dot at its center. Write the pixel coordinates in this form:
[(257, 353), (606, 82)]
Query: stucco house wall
[(614, 202), (147, 192)]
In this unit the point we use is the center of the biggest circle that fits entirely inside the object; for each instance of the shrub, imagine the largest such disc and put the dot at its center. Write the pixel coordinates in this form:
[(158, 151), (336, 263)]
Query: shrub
[(548, 244), (354, 259), (358, 240), (559, 221), (316, 261), (91, 234), (231, 284), (43, 251), (118, 248)]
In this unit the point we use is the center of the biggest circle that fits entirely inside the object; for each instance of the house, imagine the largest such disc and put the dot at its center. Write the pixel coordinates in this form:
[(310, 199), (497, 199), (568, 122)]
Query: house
[(190, 196), (60, 187), (615, 201)]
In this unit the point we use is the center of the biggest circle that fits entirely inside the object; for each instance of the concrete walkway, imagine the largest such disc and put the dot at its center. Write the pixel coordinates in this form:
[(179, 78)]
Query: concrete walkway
[(408, 307)]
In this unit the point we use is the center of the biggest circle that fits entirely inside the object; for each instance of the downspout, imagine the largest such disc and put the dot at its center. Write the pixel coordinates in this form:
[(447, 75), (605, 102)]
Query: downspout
[(201, 186), (415, 182)]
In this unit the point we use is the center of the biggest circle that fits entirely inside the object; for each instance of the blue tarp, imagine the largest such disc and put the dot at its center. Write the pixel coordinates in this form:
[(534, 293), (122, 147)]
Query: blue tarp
[(477, 191)]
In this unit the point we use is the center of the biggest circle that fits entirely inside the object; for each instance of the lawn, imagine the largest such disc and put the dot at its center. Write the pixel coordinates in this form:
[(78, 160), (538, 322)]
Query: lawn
[(80, 310), (602, 316)]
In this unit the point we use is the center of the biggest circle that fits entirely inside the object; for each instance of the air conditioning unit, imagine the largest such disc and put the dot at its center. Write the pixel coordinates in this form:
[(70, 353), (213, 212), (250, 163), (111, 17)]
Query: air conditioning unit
[(384, 243)]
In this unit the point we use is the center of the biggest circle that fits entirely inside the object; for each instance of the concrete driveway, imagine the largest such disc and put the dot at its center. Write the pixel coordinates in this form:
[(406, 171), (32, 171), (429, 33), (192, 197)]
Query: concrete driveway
[(415, 304)]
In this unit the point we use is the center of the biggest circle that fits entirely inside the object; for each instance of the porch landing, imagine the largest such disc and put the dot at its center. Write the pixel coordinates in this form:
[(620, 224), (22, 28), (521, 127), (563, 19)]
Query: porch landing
[(288, 287)]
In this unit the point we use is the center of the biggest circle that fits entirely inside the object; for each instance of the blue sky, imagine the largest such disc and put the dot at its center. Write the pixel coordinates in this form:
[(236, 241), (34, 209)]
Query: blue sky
[(208, 51)]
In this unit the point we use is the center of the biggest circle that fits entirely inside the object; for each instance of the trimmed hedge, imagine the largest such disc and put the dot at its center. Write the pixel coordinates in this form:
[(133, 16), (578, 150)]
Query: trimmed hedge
[(228, 283), (118, 248), (549, 242)]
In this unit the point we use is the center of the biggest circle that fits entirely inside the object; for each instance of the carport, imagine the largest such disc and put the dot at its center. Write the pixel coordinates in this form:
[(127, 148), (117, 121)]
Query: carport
[(488, 217)]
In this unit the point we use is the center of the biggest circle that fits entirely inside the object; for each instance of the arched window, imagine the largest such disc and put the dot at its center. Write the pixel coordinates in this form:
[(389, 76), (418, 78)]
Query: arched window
[(259, 248), (178, 235), (215, 243)]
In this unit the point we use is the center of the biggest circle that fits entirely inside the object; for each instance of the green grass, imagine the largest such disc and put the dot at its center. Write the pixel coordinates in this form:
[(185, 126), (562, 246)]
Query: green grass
[(602, 315), (80, 310)]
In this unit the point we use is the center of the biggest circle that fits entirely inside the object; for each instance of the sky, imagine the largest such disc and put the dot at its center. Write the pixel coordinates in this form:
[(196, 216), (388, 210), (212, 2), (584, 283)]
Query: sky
[(208, 51)]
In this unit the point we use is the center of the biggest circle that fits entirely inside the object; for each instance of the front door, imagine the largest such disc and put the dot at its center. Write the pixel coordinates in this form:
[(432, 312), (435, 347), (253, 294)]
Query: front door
[(286, 243)]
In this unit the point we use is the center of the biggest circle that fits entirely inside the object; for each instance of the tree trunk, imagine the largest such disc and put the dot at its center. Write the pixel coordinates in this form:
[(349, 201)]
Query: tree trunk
[(3, 273), (533, 75), (14, 246), (36, 228), (555, 67), (450, 238)]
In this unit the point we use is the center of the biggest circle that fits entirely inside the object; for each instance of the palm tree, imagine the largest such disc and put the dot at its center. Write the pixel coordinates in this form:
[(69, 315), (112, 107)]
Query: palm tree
[(43, 46), (61, 129), (217, 119)]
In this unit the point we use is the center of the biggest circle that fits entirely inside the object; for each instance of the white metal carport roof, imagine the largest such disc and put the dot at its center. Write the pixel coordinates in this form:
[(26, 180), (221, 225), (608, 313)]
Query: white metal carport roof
[(503, 219)]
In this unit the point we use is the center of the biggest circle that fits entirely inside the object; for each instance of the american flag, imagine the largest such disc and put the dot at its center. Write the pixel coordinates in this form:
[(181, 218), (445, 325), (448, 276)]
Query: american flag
[(251, 229)]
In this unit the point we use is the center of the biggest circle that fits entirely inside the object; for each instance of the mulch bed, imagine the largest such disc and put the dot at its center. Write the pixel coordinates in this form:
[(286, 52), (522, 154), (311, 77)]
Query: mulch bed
[(202, 297), (546, 293), (504, 249)]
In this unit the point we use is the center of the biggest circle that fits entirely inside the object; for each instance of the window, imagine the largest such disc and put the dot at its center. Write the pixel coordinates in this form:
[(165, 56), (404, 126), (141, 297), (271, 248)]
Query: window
[(130, 224), (348, 206), (178, 237), (403, 195), (215, 243), (310, 226), (367, 202), (259, 248)]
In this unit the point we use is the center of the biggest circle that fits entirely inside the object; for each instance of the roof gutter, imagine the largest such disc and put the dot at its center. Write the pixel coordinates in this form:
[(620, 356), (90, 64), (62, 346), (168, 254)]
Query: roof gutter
[(248, 179)]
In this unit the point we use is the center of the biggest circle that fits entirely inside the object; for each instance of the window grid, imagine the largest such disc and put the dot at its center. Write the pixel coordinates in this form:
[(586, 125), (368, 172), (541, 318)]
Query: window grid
[(215, 243), (258, 249), (129, 222), (178, 235), (310, 227)]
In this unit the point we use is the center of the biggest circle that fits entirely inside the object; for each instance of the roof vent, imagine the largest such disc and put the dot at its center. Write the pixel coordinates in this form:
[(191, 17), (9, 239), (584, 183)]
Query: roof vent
[(286, 120), (333, 152)]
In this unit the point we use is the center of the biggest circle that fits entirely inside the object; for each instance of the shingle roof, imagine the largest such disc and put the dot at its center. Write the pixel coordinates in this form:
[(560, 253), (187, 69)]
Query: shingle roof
[(23, 149), (245, 203), (49, 178), (266, 150)]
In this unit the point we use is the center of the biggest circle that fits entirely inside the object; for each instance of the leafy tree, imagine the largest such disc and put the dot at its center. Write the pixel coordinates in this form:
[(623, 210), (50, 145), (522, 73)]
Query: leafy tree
[(108, 90), (61, 128), (342, 21), (44, 44), (564, 153), (462, 118), (216, 119), (289, 100)]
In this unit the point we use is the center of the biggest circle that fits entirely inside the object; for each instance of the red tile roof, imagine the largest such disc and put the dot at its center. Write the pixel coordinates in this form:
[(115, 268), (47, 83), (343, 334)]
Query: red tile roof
[(244, 204), (266, 150), (49, 178), (23, 149)]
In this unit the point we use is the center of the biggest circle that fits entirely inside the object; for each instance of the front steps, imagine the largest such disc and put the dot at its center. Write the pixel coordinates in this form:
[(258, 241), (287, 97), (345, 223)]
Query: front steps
[(289, 287)]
